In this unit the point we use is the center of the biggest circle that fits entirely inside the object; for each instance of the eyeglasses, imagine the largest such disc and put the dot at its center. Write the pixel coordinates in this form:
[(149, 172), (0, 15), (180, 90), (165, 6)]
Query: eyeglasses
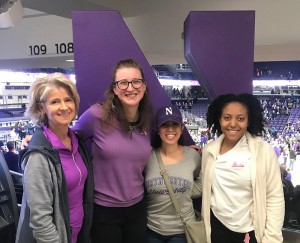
[(136, 83)]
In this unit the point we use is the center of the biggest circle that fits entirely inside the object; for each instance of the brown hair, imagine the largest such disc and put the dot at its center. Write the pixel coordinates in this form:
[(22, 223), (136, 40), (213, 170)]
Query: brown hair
[(113, 109)]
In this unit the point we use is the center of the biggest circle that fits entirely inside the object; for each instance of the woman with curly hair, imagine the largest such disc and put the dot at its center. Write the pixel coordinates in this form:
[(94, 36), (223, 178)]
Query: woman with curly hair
[(242, 188)]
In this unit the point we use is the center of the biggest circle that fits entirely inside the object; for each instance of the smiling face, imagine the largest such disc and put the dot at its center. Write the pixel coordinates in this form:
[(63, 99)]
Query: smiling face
[(129, 97), (59, 108), (170, 132), (234, 122)]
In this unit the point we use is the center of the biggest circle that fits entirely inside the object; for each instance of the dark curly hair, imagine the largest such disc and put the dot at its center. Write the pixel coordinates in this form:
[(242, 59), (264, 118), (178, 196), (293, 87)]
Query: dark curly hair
[(255, 112)]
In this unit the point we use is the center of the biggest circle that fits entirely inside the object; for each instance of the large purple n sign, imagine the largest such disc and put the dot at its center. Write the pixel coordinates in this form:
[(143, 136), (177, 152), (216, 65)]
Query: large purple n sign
[(101, 39)]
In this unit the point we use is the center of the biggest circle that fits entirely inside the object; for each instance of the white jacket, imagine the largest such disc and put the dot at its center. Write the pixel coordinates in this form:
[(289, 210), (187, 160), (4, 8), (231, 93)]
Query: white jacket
[(268, 200)]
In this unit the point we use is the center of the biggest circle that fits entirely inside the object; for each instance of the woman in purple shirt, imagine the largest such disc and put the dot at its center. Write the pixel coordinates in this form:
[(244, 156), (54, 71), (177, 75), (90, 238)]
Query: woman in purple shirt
[(118, 131), (58, 183)]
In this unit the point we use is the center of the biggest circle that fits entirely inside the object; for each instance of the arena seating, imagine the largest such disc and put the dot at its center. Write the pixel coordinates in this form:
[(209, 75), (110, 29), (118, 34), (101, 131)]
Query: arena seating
[(279, 123)]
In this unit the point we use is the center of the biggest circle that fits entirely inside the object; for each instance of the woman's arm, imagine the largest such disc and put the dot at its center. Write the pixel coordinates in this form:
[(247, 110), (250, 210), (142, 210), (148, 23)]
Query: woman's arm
[(197, 187), (84, 126), (38, 191), (275, 201)]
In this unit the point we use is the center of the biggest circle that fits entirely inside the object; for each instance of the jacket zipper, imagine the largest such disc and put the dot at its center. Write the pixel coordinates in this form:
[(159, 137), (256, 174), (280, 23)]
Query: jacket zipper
[(80, 174)]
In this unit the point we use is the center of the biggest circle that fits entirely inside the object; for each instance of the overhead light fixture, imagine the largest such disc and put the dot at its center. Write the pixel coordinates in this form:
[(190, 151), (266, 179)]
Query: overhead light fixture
[(11, 11), (69, 60)]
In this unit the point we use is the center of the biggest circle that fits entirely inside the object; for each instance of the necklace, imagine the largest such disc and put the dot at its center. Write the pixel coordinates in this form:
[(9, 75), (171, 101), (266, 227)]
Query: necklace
[(132, 124)]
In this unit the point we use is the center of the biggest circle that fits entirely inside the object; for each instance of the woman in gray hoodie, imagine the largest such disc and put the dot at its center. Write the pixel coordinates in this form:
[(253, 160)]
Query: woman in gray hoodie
[(58, 186)]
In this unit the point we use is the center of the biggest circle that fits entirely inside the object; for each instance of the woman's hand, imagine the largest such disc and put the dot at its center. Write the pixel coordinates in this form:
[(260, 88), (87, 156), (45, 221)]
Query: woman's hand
[(25, 141), (197, 148)]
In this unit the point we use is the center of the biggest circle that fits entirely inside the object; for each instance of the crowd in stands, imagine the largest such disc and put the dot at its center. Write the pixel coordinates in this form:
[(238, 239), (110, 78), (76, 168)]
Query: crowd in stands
[(12, 157), (288, 70), (188, 93), (285, 70), (176, 93), (10, 148), (18, 131), (275, 107)]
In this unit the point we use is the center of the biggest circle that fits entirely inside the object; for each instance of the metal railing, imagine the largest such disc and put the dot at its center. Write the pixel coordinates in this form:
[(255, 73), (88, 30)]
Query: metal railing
[(17, 180)]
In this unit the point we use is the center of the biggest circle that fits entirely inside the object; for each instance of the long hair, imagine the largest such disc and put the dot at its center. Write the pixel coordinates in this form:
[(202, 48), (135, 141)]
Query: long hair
[(255, 112), (112, 107)]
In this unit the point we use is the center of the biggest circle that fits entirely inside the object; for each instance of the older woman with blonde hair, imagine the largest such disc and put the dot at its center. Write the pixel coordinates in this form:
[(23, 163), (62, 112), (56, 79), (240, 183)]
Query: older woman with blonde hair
[(58, 186)]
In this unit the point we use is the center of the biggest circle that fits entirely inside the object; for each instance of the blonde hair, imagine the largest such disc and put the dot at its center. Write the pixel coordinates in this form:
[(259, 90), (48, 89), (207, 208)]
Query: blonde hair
[(39, 91)]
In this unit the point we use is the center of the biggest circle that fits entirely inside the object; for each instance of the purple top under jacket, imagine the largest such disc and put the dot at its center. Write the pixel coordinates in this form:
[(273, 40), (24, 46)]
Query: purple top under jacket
[(75, 173)]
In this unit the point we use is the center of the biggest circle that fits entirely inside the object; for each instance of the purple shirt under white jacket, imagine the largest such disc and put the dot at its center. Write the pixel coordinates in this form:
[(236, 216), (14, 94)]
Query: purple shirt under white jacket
[(118, 160), (75, 173)]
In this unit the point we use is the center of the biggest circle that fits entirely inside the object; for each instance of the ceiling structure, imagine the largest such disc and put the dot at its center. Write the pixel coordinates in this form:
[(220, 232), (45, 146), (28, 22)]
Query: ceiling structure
[(157, 26)]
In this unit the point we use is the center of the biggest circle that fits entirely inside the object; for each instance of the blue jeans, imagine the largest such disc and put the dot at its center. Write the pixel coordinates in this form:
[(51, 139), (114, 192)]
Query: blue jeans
[(291, 166), (153, 237)]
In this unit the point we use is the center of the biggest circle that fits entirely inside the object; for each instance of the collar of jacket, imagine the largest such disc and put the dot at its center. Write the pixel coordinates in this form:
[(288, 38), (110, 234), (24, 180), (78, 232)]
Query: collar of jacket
[(40, 143), (215, 146)]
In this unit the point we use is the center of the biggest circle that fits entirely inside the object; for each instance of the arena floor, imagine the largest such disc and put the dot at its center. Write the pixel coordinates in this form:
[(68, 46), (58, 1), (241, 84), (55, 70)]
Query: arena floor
[(291, 236)]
